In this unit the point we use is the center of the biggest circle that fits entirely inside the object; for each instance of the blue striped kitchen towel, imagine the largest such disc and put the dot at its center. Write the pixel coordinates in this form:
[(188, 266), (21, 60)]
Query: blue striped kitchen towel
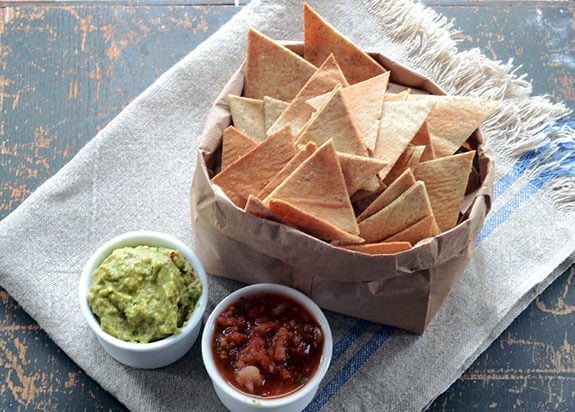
[(136, 174)]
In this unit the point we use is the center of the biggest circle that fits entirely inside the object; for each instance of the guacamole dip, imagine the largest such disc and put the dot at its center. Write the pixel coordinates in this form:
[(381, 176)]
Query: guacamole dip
[(144, 293)]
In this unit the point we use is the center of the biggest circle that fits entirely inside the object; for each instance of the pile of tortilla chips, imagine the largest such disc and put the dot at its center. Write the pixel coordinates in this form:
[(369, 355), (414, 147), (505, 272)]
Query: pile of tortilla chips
[(320, 143)]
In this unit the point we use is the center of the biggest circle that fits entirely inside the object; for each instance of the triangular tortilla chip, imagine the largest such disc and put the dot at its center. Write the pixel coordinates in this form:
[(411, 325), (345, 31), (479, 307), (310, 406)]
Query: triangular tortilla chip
[(354, 91), (391, 192), (317, 101), (313, 119), (382, 248), (453, 119), (273, 108), (412, 206), (426, 227), (333, 121), (370, 189), (403, 95), (295, 161), (248, 116), (325, 79), (321, 39), (371, 186), (400, 122), (250, 173), (364, 197), (364, 101), (446, 182), (234, 145), (255, 206), (317, 187), (320, 228), (273, 70), (408, 160), (357, 170), (422, 138)]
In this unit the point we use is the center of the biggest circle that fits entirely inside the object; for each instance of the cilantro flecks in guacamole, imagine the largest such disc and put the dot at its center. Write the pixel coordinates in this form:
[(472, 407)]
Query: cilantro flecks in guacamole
[(143, 293)]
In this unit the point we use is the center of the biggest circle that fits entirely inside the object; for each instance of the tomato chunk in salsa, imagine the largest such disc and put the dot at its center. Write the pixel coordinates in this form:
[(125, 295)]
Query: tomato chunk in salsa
[(267, 344)]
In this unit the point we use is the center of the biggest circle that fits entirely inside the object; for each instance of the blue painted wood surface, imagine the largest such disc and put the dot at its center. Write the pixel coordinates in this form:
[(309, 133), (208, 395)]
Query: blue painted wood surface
[(67, 68)]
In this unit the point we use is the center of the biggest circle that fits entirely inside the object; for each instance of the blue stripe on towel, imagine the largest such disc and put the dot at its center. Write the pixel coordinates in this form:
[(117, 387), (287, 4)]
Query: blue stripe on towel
[(498, 218), (358, 328), (512, 175), (559, 158), (494, 220), (382, 334), (566, 158)]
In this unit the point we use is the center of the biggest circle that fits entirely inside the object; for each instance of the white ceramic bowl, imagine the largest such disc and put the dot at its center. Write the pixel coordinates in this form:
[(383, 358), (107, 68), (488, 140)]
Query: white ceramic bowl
[(238, 401), (153, 354)]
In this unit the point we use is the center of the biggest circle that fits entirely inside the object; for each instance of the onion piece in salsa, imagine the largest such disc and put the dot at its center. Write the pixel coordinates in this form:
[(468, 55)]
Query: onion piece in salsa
[(267, 344)]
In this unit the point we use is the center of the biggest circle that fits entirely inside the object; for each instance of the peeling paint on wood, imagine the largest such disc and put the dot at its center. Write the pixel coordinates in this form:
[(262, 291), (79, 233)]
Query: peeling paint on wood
[(66, 69)]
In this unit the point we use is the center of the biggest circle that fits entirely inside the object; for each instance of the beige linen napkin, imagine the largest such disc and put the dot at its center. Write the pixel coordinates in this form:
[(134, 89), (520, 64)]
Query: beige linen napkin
[(136, 174)]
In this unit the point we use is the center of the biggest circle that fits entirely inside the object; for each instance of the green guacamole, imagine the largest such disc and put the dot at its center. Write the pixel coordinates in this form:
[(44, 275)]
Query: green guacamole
[(141, 294)]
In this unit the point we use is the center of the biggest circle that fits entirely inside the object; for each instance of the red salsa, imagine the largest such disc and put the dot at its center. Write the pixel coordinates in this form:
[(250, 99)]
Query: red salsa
[(267, 344)]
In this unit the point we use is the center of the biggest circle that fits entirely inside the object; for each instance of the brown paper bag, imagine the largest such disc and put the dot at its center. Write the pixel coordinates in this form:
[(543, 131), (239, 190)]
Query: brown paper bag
[(404, 290)]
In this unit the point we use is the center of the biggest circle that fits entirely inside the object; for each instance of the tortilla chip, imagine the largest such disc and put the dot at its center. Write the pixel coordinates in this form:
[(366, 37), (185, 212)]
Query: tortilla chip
[(273, 108), (403, 95), (391, 192), (426, 227), (234, 145), (357, 170), (365, 102), (295, 161), (371, 188), (321, 39), (317, 101), (408, 160), (248, 116), (356, 91), (422, 138), (333, 121), (250, 173), (363, 197), (382, 248), (320, 109), (453, 119), (320, 228), (316, 187), (255, 206), (324, 80), (446, 182), (400, 122), (273, 70), (410, 207)]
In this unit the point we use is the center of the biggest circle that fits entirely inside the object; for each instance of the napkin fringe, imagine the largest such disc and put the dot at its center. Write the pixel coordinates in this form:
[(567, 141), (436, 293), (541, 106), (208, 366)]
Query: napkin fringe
[(533, 126), (553, 163)]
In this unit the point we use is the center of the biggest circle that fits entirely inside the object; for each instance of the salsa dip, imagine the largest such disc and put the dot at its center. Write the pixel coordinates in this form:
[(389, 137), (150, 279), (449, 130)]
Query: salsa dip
[(266, 346)]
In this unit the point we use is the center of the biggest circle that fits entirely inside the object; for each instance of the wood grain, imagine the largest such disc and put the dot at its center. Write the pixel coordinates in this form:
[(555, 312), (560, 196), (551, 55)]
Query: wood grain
[(65, 72), (67, 68)]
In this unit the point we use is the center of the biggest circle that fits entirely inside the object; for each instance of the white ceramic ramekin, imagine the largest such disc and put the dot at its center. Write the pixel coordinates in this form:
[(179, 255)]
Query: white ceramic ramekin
[(158, 353), (238, 401)]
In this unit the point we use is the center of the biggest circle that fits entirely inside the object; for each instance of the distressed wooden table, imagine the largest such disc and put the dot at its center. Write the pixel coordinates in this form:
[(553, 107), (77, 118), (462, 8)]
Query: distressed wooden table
[(68, 67)]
